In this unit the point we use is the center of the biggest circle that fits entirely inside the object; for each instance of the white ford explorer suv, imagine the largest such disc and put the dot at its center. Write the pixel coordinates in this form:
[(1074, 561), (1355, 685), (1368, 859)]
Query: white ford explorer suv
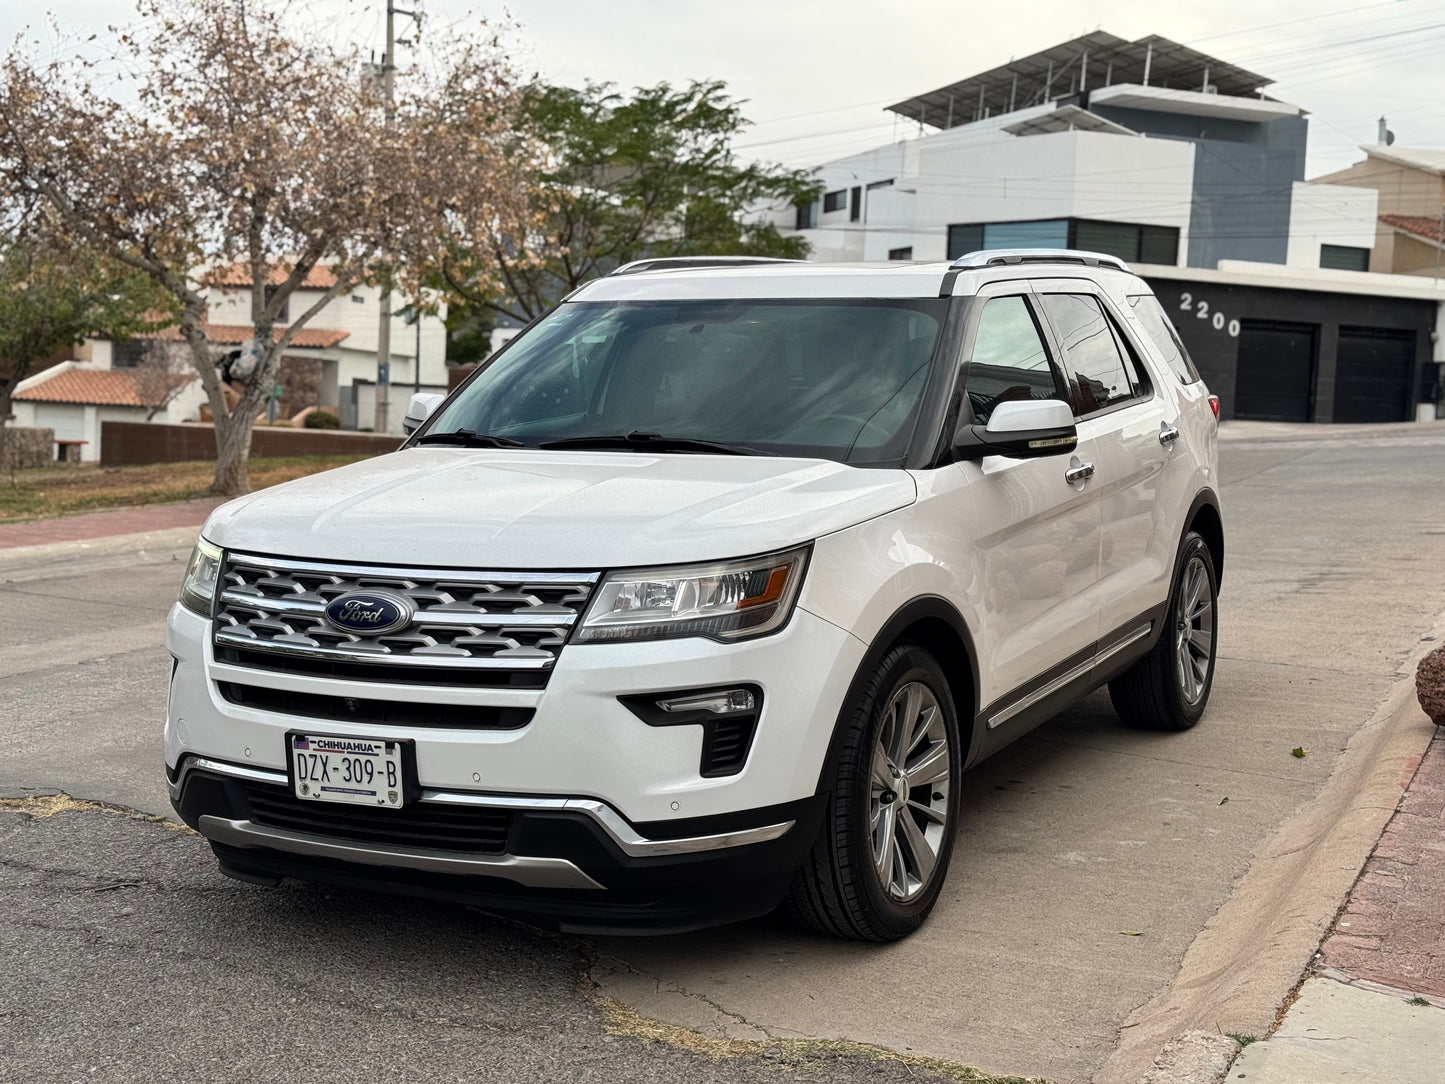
[(703, 594)]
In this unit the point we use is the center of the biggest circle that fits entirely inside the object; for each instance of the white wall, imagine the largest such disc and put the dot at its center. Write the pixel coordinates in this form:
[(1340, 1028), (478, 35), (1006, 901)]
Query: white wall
[(978, 174), (1329, 214), (358, 314)]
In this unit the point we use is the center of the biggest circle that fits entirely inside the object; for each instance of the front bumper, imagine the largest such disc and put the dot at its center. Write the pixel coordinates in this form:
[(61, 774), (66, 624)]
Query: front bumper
[(580, 740), (575, 864)]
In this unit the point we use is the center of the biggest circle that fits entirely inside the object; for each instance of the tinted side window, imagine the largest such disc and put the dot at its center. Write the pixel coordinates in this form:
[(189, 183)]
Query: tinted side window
[(1161, 332), (1009, 359), (1101, 376)]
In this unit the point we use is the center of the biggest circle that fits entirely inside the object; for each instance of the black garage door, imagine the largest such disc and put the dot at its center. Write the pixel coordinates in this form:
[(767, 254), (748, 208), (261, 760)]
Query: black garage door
[(1275, 379), (1373, 375)]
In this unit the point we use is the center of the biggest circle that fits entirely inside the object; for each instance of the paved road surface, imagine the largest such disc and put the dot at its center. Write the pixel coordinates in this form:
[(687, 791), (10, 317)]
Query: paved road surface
[(1075, 835)]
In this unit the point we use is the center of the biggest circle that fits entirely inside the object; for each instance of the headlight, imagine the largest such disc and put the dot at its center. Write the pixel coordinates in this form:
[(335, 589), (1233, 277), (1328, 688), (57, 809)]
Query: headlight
[(730, 600), (198, 589)]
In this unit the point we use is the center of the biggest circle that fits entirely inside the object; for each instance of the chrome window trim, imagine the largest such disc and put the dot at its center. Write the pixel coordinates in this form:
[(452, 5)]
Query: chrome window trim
[(626, 838)]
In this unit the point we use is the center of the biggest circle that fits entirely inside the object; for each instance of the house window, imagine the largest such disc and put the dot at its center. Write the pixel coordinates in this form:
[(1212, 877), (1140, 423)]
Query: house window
[(1126, 240), (964, 239), (128, 355), (855, 204), (1344, 258), (1159, 244), (901, 253), (357, 299), (806, 217), (835, 201)]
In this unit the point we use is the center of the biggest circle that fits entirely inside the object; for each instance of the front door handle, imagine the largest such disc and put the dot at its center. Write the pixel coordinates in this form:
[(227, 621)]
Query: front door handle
[(1168, 434), (1079, 472)]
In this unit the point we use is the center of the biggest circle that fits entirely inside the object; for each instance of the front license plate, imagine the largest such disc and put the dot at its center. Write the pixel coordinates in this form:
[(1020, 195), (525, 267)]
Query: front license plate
[(361, 771)]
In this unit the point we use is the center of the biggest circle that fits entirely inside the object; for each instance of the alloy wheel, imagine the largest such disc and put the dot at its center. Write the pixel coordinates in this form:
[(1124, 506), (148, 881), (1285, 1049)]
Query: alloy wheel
[(908, 791), (1193, 630)]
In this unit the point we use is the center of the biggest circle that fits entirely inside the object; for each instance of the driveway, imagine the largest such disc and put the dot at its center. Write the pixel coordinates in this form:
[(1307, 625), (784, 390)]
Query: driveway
[(1090, 858)]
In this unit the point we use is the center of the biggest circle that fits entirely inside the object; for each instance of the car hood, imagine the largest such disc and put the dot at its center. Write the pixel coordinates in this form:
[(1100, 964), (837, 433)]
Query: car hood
[(523, 508)]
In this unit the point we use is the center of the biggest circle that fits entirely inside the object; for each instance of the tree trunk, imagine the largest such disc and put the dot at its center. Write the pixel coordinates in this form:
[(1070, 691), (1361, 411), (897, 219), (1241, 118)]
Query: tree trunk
[(233, 453), (233, 432), (7, 389)]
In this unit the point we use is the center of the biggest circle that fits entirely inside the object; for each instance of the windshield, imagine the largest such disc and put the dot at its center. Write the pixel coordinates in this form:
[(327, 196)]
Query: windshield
[(833, 379)]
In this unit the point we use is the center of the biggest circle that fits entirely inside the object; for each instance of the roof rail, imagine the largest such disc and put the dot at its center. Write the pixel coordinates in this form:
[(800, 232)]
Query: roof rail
[(675, 263), (992, 257)]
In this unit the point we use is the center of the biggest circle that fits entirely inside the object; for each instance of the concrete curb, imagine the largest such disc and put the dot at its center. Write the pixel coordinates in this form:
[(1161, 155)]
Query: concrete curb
[(1196, 1057), (1244, 963), (17, 561)]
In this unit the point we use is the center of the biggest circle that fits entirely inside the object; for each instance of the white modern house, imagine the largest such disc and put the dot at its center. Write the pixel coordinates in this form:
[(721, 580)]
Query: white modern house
[(339, 343), (1147, 150)]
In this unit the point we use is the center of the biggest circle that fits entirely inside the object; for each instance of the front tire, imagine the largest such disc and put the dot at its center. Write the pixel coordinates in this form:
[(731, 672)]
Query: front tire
[(1169, 687), (881, 856)]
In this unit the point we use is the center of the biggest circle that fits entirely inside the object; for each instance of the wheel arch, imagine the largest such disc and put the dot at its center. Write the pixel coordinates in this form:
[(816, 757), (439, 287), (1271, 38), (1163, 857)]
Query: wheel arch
[(935, 624), (1204, 517)]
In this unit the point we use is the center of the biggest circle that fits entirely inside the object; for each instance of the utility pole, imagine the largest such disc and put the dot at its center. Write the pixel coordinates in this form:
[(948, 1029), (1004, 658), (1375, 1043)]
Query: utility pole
[(383, 330)]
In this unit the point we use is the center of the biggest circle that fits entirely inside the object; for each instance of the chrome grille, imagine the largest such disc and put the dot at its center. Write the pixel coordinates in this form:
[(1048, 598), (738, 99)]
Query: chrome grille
[(463, 620)]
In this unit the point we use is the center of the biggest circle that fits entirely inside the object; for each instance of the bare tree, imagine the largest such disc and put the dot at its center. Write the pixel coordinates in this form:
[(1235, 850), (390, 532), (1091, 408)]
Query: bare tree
[(231, 140)]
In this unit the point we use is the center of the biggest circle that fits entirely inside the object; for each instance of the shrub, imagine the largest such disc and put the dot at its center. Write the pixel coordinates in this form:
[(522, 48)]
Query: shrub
[(321, 419)]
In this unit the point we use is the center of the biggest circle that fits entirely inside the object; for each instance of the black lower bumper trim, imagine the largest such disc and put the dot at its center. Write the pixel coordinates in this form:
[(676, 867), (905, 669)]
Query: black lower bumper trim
[(651, 895)]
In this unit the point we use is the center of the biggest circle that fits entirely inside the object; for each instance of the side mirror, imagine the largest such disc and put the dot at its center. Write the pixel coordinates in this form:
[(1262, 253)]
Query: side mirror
[(422, 404), (1020, 429)]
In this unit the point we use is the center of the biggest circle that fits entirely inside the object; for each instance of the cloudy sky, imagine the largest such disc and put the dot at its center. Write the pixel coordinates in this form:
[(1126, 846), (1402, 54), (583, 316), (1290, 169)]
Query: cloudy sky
[(817, 73)]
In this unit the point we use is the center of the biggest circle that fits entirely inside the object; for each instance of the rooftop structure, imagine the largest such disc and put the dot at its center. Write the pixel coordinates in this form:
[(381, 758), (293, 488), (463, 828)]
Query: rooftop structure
[(1099, 59)]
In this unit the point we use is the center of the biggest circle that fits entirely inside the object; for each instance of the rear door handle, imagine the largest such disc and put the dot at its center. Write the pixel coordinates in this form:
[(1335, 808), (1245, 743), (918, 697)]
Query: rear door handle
[(1080, 472), (1168, 434)]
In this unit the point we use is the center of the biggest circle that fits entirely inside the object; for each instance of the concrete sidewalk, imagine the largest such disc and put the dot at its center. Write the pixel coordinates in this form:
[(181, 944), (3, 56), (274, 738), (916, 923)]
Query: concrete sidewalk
[(74, 539), (108, 523), (1275, 432), (1373, 1008)]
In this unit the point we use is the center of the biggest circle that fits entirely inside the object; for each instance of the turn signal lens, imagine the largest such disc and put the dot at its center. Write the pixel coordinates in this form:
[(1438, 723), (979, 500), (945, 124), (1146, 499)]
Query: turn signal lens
[(730, 600), (721, 703)]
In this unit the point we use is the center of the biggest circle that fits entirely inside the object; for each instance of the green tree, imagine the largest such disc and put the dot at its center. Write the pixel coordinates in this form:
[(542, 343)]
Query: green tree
[(626, 177), (51, 299)]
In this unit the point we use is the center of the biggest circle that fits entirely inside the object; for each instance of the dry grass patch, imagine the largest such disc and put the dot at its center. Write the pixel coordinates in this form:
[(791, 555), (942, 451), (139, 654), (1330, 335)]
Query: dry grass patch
[(43, 492), (43, 806), (786, 1055)]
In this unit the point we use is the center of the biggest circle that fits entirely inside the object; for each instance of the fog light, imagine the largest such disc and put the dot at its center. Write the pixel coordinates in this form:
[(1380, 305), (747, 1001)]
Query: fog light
[(719, 703)]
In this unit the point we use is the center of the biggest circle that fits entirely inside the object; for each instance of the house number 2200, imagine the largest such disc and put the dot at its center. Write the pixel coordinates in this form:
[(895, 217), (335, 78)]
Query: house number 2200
[(1201, 311)]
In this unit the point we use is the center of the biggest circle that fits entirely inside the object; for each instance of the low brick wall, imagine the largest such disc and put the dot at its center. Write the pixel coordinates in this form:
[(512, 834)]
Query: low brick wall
[(125, 443), (25, 446)]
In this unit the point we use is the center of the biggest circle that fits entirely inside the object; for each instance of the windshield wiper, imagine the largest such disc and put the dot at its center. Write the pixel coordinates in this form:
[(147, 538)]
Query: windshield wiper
[(468, 439), (651, 442)]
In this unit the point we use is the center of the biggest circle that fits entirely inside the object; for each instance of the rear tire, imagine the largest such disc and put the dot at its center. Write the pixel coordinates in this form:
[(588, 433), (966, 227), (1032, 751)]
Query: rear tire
[(1168, 688), (882, 853)]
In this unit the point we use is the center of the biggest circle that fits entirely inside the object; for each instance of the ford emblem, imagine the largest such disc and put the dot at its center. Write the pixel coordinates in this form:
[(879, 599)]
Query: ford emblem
[(369, 613)]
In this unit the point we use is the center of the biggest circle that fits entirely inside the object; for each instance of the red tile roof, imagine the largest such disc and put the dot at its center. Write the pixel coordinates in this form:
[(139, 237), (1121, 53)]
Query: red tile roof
[(1420, 225), (91, 386), (318, 278), (236, 334)]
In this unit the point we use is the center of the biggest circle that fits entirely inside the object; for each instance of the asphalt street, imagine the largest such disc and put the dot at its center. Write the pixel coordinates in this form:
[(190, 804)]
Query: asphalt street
[(1090, 857)]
